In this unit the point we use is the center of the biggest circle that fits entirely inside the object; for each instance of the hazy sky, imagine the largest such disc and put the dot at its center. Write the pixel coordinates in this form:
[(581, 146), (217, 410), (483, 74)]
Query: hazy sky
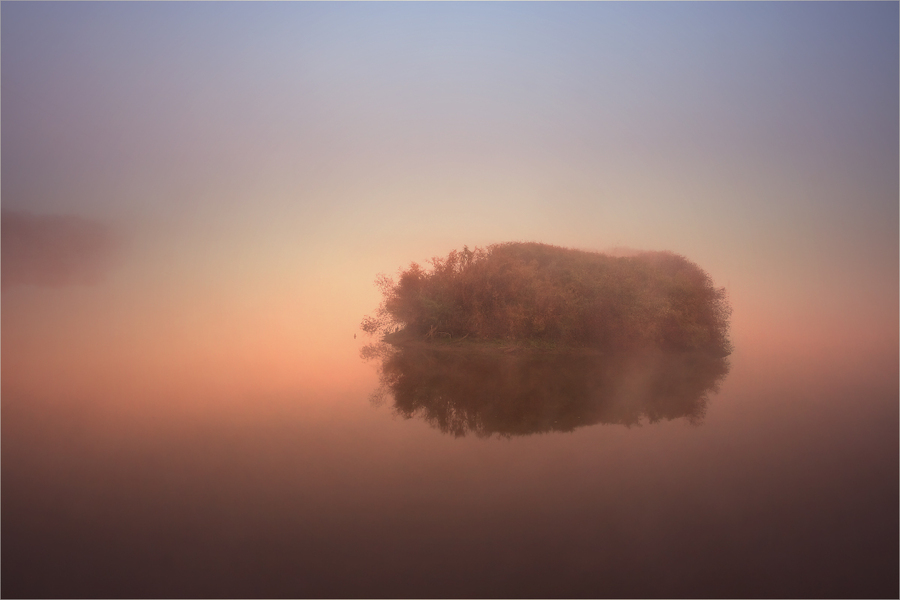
[(263, 161)]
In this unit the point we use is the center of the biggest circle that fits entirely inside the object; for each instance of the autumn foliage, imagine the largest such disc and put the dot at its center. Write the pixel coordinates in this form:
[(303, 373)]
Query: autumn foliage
[(547, 294)]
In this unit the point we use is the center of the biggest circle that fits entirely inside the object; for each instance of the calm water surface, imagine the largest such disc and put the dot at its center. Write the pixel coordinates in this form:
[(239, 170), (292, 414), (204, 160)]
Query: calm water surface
[(197, 197), (623, 477)]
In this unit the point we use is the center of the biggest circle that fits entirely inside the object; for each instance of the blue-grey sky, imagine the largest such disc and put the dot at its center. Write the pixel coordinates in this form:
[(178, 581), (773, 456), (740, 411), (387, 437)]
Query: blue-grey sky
[(293, 150)]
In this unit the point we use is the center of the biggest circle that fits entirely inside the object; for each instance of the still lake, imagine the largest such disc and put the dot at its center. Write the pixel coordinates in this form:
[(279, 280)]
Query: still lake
[(160, 482), (198, 196)]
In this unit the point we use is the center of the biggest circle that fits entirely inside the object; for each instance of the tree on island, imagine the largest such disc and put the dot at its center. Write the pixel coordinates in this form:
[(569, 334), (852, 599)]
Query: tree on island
[(547, 295)]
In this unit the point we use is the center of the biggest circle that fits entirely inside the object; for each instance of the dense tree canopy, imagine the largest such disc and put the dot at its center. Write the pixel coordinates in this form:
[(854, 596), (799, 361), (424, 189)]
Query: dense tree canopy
[(546, 294)]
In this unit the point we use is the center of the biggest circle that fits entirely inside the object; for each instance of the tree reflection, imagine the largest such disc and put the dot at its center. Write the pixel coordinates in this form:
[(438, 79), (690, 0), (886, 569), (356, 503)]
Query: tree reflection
[(465, 391)]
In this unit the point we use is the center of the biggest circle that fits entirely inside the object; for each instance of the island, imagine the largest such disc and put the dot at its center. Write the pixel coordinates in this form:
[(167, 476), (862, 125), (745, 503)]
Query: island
[(526, 338), (539, 296)]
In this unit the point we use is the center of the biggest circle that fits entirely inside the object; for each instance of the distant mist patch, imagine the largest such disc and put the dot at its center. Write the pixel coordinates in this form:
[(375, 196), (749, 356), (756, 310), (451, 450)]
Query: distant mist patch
[(54, 250)]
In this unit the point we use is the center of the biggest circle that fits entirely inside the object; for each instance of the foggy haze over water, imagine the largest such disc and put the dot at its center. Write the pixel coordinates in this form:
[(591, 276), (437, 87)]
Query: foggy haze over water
[(197, 198)]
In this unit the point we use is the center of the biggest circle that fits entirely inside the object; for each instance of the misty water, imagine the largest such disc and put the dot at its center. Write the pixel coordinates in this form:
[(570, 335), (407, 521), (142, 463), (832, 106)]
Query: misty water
[(430, 472), (197, 198)]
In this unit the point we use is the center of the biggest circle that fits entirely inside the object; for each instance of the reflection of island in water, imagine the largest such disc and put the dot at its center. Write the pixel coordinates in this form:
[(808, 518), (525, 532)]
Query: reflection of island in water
[(462, 391)]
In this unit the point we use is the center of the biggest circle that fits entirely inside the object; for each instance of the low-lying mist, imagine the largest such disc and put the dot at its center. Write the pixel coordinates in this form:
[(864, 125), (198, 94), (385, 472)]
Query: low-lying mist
[(54, 250)]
